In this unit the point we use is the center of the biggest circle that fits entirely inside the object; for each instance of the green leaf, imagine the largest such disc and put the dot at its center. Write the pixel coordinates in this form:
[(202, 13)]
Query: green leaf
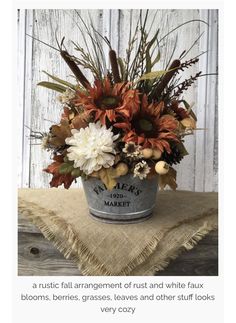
[(182, 149), (148, 62), (193, 115), (156, 60), (190, 111), (152, 75), (148, 56), (185, 104), (53, 86), (57, 79), (66, 168), (76, 172), (122, 67)]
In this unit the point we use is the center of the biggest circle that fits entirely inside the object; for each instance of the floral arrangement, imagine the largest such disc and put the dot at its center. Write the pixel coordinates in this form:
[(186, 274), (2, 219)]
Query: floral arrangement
[(131, 119)]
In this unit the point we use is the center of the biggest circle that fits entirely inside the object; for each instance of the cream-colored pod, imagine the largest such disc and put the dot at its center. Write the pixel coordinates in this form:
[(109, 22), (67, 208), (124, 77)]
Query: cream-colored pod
[(162, 167), (121, 169), (156, 154), (147, 153)]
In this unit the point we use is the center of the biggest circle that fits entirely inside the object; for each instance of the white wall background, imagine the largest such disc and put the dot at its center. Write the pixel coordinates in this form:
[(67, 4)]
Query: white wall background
[(38, 108)]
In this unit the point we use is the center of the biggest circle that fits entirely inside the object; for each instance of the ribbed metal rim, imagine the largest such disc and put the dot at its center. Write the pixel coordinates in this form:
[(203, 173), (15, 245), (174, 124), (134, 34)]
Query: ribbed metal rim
[(123, 214), (120, 221)]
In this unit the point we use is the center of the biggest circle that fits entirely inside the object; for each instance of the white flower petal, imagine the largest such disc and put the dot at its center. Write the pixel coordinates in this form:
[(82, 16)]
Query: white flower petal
[(92, 148)]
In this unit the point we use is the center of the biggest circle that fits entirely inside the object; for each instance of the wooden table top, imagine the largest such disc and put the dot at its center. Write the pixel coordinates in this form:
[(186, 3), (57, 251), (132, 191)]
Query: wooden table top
[(38, 257)]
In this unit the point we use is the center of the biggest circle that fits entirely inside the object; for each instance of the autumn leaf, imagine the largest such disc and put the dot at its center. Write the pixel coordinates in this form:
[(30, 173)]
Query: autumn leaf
[(66, 168), (59, 133), (67, 114), (79, 122), (189, 123), (54, 167), (168, 179), (57, 178), (152, 173), (107, 176)]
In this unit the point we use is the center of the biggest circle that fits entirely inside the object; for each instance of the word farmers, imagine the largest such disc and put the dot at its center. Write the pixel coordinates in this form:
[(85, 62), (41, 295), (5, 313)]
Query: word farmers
[(119, 186)]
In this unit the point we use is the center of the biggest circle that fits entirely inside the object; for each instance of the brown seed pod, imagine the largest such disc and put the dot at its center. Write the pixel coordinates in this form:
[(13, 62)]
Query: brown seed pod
[(114, 66), (74, 68), (167, 77)]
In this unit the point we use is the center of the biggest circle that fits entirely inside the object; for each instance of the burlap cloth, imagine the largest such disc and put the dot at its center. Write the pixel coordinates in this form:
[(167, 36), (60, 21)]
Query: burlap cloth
[(180, 220)]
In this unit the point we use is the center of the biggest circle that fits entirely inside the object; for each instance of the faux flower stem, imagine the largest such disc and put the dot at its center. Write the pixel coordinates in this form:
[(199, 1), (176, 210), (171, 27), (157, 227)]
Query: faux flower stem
[(74, 68), (114, 66), (167, 77)]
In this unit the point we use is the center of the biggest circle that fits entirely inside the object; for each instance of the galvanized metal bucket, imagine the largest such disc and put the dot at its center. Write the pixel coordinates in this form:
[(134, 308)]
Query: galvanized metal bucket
[(132, 200)]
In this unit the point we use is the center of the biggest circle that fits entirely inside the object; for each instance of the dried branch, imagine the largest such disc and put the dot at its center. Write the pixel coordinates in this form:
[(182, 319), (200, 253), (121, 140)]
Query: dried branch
[(189, 63), (185, 85)]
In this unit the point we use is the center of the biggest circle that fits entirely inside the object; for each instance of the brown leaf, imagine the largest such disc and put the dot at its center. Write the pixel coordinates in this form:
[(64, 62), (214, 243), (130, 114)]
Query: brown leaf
[(189, 123), (79, 122), (59, 133), (168, 179), (152, 172), (107, 176), (53, 168), (67, 114), (58, 179)]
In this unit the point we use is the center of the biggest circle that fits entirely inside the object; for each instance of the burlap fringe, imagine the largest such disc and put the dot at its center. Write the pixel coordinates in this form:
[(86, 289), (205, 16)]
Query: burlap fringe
[(77, 252), (151, 247), (188, 245), (72, 247)]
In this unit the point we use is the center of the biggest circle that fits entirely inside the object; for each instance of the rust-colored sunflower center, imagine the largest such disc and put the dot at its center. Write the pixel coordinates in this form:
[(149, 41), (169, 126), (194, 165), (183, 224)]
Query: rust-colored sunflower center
[(108, 102), (144, 125)]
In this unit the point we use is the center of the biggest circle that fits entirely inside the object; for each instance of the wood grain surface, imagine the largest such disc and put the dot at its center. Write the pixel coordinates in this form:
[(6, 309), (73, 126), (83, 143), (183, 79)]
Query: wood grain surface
[(38, 257)]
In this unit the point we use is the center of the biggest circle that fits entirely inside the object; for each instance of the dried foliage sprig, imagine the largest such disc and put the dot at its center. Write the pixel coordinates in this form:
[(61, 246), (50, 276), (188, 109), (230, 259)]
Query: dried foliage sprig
[(189, 63), (185, 85)]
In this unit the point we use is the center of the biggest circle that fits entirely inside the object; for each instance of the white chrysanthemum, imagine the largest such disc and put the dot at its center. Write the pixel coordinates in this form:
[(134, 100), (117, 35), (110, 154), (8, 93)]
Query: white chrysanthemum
[(66, 96), (92, 148), (141, 170)]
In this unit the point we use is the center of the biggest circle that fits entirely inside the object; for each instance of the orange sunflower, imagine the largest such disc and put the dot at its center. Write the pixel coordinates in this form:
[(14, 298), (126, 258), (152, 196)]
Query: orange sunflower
[(150, 128), (107, 101)]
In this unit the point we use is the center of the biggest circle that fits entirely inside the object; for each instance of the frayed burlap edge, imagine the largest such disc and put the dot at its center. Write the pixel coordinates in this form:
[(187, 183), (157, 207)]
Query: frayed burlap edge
[(151, 247), (188, 245), (78, 252)]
